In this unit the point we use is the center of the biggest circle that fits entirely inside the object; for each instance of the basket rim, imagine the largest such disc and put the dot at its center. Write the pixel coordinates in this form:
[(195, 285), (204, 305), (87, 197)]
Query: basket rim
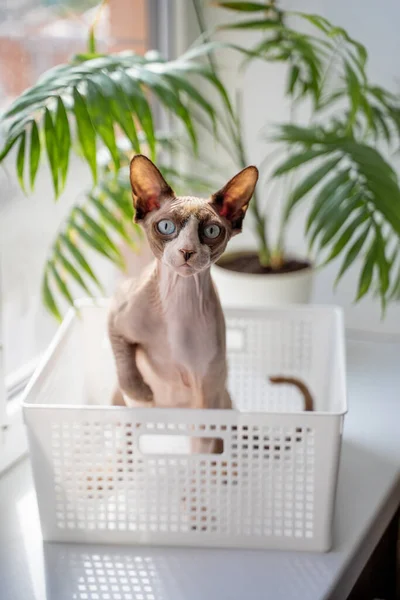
[(72, 315)]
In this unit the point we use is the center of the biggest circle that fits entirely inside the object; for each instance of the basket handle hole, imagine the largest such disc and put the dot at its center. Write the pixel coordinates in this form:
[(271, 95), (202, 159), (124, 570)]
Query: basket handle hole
[(180, 444)]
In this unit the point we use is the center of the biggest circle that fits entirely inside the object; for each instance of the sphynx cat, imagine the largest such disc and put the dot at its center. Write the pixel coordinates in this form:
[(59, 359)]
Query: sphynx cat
[(167, 328)]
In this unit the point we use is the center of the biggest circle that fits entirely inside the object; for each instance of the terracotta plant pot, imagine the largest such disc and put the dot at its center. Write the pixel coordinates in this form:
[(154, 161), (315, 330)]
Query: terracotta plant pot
[(250, 290)]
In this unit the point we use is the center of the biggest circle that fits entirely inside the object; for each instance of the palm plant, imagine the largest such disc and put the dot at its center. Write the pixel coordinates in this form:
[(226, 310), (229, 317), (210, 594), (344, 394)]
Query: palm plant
[(106, 102), (103, 102), (345, 149)]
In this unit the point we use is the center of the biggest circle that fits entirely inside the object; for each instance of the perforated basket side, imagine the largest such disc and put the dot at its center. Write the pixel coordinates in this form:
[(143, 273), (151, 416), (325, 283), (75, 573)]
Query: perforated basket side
[(302, 343), (272, 487)]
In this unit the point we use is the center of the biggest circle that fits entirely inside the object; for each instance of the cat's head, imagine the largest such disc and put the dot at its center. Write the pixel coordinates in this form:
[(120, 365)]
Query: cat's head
[(186, 233)]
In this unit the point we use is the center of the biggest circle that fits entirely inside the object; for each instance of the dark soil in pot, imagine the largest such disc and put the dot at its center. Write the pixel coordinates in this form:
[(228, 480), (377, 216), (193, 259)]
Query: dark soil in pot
[(248, 262)]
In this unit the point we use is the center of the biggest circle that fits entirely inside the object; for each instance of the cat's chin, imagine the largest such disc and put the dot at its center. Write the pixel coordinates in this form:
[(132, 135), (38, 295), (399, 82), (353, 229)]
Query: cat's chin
[(186, 270)]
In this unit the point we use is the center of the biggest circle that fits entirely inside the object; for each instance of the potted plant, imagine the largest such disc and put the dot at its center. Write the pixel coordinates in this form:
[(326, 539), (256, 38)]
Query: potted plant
[(99, 100), (331, 160), (100, 106)]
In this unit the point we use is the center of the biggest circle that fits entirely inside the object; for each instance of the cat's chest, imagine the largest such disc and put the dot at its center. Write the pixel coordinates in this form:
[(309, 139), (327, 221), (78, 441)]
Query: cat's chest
[(177, 362), (191, 340)]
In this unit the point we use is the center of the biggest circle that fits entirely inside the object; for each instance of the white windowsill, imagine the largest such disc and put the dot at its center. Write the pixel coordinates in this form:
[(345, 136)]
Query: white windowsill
[(13, 438), (367, 499)]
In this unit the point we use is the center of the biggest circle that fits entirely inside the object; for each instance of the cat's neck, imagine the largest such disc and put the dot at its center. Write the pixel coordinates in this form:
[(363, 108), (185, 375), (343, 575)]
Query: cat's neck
[(189, 295)]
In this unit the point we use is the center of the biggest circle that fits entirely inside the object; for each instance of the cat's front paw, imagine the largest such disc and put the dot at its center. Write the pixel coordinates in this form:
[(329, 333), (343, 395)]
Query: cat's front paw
[(141, 394), (144, 393)]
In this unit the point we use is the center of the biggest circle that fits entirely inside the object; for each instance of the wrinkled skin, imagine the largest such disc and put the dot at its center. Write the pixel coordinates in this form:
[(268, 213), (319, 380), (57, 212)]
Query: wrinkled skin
[(167, 328)]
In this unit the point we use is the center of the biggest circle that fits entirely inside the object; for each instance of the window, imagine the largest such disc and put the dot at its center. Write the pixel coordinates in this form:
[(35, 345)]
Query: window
[(36, 35)]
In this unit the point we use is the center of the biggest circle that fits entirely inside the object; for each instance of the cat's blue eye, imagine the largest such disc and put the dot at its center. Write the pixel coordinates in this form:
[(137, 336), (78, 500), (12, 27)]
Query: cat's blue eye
[(212, 231), (166, 227)]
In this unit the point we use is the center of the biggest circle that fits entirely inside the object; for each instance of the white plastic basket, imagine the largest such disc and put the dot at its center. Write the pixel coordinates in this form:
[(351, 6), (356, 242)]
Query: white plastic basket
[(121, 475)]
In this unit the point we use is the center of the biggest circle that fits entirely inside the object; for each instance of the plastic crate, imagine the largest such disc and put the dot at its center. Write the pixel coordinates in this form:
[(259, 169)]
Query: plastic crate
[(120, 475)]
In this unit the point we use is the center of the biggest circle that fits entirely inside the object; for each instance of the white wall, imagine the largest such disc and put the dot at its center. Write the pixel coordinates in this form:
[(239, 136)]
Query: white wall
[(28, 228), (376, 25)]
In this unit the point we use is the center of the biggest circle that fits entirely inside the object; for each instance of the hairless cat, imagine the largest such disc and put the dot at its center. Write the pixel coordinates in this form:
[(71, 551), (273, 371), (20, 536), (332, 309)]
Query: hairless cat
[(167, 328)]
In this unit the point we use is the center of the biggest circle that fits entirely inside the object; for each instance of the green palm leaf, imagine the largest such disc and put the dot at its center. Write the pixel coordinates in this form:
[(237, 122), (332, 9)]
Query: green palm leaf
[(121, 198), (69, 267), (34, 157), (52, 149), (332, 211), (48, 297), (64, 240), (347, 235), (96, 237), (63, 288), (245, 6), (352, 253), (111, 220), (86, 131), (305, 186), (121, 87), (139, 106), (100, 116), (298, 160), (354, 205), (365, 280), (63, 136), (338, 219), (21, 160), (325, 193), (253, 24)]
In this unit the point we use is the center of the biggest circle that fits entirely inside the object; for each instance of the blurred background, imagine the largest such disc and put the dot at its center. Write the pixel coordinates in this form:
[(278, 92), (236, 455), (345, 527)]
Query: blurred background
[(37, 35)]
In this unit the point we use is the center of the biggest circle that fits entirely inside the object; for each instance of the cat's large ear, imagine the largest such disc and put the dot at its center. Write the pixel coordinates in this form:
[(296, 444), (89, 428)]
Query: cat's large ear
[(233, 199), (149, 187)]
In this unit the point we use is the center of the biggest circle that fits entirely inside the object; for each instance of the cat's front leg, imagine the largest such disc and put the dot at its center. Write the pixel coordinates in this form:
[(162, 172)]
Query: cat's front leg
[(212, 400), (132, 385)]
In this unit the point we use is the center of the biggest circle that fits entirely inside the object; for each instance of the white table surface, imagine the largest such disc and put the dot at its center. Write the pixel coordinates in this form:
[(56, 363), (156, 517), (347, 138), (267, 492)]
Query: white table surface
[(368, 495)]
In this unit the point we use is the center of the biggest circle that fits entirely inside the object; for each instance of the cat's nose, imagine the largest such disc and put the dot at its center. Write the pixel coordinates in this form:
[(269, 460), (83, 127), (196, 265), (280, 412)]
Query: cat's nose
[(187, 253)]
